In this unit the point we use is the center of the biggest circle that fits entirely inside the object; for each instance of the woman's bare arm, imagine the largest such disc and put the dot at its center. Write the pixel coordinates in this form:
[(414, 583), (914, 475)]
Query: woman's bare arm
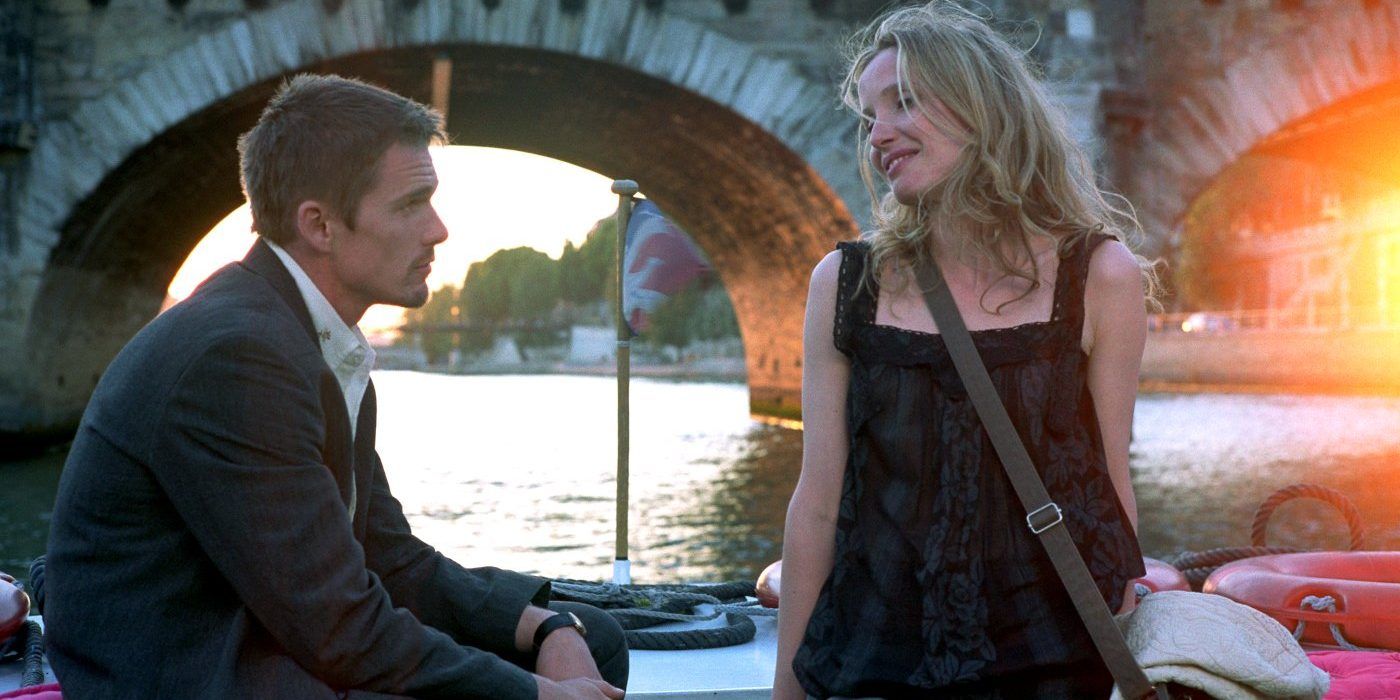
[(809, 534), (1115, 332)]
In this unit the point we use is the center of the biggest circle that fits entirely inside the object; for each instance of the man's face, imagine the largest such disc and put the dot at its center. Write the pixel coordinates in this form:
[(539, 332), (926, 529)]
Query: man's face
[(386, 258)]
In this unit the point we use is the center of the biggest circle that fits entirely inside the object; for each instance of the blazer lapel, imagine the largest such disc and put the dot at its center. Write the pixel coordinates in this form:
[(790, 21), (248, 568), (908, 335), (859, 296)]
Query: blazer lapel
[(338, 452), (364, 457)]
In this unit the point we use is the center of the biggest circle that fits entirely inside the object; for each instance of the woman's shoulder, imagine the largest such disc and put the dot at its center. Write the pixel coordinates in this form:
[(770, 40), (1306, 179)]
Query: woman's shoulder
[(842, 264), (1111, 264), (852, 256)]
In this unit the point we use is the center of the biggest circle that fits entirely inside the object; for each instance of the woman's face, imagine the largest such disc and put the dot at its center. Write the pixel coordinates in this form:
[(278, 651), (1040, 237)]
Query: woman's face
[(913, 152)]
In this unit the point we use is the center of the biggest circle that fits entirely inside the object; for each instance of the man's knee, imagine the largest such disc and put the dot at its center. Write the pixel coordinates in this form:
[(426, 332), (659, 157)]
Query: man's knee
[(606, 640)]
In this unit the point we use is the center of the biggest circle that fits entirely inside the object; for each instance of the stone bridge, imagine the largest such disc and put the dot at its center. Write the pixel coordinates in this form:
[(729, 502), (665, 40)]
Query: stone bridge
[(119, 117)]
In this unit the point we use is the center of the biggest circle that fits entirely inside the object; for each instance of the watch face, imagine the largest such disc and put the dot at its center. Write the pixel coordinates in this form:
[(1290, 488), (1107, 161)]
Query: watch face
[(578, 625)]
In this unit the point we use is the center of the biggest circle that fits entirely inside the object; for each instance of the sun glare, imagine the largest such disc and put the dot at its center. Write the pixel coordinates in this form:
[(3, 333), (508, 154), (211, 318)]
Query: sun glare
[(1384, 220), (489, 199)]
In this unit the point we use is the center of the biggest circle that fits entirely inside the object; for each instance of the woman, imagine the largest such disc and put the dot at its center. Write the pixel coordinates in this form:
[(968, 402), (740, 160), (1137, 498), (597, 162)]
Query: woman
[(908, 567)]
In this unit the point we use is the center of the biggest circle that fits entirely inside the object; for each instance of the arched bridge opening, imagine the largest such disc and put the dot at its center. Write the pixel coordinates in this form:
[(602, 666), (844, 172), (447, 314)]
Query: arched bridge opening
[(760, 212)]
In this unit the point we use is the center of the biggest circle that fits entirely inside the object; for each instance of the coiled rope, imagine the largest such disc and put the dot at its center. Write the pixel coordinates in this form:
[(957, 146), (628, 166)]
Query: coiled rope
[(33, 655), (28, 644), (1198, 566), (1258, 531), (639, 607)]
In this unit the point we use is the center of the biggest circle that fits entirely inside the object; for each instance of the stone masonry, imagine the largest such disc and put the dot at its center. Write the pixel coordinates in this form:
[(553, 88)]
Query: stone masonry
[(119, 118)]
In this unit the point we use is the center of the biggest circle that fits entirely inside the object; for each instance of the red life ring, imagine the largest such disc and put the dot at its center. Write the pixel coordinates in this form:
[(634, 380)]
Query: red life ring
[(1160, 577), (14, 607), (1362, 590)]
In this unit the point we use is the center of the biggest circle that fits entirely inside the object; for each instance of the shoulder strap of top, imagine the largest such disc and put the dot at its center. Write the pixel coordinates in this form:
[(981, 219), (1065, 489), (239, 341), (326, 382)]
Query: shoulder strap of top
[(849, 306), (1071, 278), (1069, 308)]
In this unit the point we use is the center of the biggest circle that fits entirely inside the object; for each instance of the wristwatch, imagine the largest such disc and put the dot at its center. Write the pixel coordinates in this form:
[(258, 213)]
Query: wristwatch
[(550, 624)]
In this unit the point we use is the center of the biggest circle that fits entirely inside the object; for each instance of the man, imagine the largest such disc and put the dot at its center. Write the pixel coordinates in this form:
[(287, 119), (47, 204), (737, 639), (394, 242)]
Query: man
[(223, 526)]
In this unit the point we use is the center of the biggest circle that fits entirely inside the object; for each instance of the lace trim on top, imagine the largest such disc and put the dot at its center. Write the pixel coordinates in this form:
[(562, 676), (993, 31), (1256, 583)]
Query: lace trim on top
[(858, 336)]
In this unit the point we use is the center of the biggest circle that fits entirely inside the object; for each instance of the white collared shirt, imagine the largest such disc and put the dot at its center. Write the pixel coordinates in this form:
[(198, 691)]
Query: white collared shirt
[(344, 348)]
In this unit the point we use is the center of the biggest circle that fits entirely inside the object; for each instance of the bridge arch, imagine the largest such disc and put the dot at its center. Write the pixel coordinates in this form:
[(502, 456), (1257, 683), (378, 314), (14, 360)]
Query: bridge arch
[(739, 148), (1256, 101)]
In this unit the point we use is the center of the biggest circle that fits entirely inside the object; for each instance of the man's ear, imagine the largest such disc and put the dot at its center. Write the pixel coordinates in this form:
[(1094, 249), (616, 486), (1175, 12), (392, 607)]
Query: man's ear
[(315, 225)]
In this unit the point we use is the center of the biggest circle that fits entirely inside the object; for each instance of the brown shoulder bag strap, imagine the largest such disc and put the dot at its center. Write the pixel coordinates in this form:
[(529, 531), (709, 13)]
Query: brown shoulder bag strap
[(1044, 517)]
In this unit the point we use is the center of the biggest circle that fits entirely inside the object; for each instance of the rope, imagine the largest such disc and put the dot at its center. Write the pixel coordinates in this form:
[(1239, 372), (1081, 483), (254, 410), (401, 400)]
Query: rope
[(1198, 566), (26, 646), (33, 655), (637, 607), (737, 630), (1212, 558), (1326, 603), (36, 582), (1258, 531), (751, 608)]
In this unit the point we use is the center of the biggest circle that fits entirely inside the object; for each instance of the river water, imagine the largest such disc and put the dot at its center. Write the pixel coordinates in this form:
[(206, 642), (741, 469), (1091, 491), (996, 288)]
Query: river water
[(518, 472)]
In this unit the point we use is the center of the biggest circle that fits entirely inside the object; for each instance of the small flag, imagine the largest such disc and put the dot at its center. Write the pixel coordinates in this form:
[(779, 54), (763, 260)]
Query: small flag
[(659, 261)]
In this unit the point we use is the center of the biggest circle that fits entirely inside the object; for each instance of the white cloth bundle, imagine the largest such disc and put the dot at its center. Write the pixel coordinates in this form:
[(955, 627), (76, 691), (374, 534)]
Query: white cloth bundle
[(1228, 650)]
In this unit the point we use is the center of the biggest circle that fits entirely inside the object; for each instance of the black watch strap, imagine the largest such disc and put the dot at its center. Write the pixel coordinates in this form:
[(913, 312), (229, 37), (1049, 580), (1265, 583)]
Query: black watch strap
[(556, 621)]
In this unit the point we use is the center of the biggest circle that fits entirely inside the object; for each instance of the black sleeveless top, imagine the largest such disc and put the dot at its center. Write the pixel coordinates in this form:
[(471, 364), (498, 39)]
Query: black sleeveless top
[(938, 588)]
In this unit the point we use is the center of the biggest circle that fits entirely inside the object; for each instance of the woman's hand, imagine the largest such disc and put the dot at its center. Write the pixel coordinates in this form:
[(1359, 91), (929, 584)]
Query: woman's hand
[(1129, 599)]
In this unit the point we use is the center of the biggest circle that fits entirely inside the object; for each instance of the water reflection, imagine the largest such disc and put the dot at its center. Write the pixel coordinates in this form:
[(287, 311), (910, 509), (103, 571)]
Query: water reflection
[(518, 472), (735, 528), (1203, 463), (26, 503)]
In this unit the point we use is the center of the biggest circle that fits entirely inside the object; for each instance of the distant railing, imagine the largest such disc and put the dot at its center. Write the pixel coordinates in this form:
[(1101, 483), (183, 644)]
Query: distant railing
[(482, 327), (1317, 318)]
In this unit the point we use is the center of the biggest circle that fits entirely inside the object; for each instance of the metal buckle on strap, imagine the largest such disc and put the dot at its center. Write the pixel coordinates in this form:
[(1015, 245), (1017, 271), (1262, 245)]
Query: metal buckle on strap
[(1040, 514)]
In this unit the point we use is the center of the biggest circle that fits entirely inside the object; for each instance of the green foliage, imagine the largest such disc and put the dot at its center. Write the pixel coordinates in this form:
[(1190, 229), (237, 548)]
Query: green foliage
[(485, 295), (525, 289), (701, 311), (443, 308), (672, 323), (518, 284), (534, 284), (588, 273), (714, 319)]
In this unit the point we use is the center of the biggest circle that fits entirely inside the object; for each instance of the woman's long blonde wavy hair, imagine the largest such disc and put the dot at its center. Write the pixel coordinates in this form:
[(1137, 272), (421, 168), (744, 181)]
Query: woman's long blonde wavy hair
[(1019, 174)]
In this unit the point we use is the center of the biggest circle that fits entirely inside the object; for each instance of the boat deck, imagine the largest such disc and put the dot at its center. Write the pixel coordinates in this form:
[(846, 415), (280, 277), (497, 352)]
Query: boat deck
[(740, 672), (728, 673)]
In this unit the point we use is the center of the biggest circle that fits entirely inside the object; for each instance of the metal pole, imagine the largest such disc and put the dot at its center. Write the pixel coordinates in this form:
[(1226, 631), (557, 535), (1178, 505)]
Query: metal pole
[(622, 571)]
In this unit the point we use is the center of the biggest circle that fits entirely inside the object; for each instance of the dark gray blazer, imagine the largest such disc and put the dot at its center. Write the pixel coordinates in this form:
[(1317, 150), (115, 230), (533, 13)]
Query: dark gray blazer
[(200, 545)]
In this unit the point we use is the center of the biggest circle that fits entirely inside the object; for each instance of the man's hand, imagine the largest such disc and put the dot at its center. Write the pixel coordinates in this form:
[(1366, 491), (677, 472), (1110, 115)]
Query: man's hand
[(576, 689), (564, 668), (564, 655)]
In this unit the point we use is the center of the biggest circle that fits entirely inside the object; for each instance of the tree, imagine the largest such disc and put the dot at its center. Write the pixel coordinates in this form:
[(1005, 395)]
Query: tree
[(532, 281), (592, 273), (485, 294), (714, 317), (443, 308), (518, 286), (700, 311), (672, 324)]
